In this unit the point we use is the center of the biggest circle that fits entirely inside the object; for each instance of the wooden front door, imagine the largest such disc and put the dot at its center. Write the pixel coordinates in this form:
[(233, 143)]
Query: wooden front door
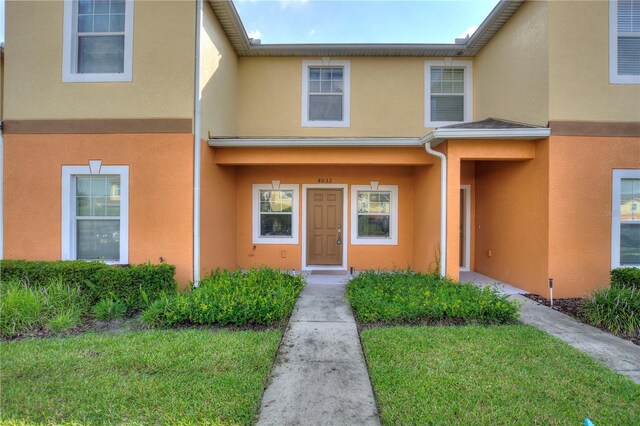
[(324, 226)]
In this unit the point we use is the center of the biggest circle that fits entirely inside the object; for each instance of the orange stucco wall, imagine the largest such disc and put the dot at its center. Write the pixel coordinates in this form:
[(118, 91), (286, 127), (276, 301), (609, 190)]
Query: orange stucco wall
[(359, 256), (512, 220), (160, 193), (426, 218), (218, 214), (580, 185)]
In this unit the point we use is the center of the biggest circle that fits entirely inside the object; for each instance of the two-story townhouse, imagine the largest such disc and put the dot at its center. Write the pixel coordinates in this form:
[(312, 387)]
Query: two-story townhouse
[(510, 153)]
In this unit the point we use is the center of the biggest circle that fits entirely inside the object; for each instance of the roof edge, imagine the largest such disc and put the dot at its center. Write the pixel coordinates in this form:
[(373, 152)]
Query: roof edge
[(313, 142), (438, 136)]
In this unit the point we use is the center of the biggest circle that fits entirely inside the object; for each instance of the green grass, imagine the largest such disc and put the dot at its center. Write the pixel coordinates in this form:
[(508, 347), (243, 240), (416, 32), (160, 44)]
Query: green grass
[(496, 375), (150, 377), (405, 297)]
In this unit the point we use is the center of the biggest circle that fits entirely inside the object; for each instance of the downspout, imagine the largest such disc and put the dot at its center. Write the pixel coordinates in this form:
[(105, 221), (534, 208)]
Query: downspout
[(1, 194), (196, 150), (443, 207)]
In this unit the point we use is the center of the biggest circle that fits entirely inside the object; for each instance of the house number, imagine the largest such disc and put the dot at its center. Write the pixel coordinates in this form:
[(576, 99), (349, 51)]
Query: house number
[(325, 180)]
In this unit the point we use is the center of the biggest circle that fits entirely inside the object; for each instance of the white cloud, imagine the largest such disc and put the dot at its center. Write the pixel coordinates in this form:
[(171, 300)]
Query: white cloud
[(255, 34), (287, 3), (472, 29)]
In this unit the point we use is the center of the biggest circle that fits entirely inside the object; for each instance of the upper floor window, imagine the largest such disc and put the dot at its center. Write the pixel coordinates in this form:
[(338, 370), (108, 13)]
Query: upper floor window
[(98, 40), (448, 92), (624, 41), (325, 93)]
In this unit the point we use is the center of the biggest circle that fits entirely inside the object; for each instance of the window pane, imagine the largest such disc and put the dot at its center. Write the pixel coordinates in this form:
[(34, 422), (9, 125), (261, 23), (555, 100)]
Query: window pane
[(314, 73), (85, 6), (336, 87), (83, 185), (85, 23), (101, 6), (630, 244), (117, 6), (101, 23), (275, 225), (314, 86), (98, 239), (630, 199), (117, 23), (336, 74), (374, 202), (325, 86), (373, 226), (325, 107), (83, 206), (447, 108), (325, 73), (102, 54), (629, 55)]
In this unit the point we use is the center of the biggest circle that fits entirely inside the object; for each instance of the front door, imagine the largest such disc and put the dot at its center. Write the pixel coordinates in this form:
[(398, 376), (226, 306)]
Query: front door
[(324, 227)]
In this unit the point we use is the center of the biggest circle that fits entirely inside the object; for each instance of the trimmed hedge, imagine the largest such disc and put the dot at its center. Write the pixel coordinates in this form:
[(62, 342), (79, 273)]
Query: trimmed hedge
[(135, 285), (258, 296), (405, 297), (625, 277)]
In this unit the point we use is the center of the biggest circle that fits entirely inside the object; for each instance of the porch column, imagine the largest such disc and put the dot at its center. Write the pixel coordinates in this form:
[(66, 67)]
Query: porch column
[(453, 215)]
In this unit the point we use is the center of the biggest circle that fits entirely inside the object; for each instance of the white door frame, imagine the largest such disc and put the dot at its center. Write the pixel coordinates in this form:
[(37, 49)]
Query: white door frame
[(345, 224), (467, 228)]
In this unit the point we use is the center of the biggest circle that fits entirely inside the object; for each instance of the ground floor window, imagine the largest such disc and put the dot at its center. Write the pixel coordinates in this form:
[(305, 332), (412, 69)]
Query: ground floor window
[(95, 216), (275, 214), (625, 232), (374, 215)]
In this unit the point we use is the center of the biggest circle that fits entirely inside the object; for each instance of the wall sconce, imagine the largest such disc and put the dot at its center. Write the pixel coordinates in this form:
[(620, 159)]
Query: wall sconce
[(275, 184), (374, 185)]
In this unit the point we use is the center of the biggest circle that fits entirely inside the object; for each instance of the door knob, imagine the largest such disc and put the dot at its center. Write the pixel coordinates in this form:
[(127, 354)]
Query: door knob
[(339, 240)]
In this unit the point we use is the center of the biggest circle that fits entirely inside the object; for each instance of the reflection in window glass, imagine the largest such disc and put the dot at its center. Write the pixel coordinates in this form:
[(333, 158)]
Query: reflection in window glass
[(276, 218), (630, 222), (374, 211)]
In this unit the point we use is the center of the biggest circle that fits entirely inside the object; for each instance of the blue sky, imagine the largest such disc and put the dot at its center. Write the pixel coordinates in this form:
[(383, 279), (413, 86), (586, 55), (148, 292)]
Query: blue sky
[(356, 21), (361, 21)]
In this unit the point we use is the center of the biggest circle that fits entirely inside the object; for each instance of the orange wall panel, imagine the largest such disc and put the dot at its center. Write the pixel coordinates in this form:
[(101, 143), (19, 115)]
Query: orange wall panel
[(580, 186), (426, 218), (359, 256), (512, 220), (218, 214), (160, 193)]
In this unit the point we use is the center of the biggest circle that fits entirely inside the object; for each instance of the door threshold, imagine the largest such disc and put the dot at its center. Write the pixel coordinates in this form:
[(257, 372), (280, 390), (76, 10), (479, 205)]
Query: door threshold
[(328, 272)]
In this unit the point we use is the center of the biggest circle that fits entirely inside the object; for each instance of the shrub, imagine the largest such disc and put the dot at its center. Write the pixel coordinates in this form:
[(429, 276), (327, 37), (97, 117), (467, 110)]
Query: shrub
[(617, 309), (20, 308), (64, 321), (135, 285), (109, 308), (408, 297), (259, 296), (625, 277)]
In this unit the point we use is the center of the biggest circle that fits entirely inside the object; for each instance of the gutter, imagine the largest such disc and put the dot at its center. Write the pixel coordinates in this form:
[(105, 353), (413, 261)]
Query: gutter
[(197, 107), (313, 142)]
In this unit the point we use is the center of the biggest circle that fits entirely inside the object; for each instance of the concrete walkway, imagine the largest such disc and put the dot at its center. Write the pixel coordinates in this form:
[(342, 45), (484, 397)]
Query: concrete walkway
[(618, 354), (320, 376)]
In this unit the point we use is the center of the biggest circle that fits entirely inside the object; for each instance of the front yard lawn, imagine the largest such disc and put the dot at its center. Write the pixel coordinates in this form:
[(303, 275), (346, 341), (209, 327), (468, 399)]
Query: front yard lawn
[(147, 377), (509, 374)]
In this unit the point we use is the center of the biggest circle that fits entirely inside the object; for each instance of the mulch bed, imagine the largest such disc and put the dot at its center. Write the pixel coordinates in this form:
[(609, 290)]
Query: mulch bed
[(573, 308)]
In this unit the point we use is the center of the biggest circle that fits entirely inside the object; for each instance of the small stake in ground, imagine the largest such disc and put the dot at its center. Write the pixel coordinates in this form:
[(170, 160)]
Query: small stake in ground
[(551, 291)]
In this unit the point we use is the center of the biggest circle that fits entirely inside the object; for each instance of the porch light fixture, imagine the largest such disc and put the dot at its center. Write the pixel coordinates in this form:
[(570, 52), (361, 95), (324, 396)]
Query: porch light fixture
[(275, 184), (374, 185)]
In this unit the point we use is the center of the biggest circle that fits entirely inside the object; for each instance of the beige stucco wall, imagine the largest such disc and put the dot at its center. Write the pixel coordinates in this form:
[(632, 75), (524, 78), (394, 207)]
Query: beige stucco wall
[(162, 86), (219, 69), (511, 71), (579, 87), (387, 98)]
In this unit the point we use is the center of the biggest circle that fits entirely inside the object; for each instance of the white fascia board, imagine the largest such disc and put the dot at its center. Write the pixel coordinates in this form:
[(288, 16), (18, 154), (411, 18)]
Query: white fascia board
[(437, 136), (314, 142)]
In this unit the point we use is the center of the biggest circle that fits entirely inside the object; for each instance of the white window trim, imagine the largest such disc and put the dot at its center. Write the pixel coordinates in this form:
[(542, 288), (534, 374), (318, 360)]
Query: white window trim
[(614, 77), (345, 226), (255, 209), (618, 175), (346, 90), (392, 240), (69, 48), (468, 90), (69, 208)]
